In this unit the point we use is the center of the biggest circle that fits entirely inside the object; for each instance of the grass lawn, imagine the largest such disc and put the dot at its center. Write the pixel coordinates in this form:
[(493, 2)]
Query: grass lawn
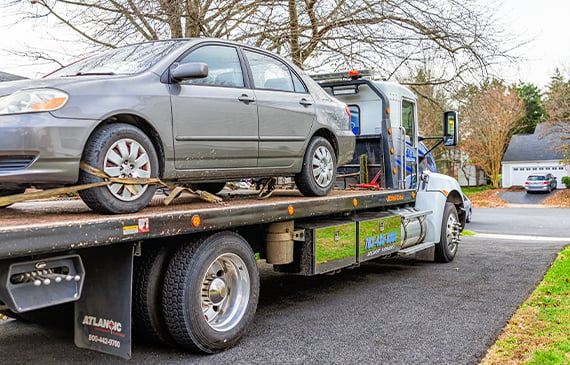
[(539, 332)]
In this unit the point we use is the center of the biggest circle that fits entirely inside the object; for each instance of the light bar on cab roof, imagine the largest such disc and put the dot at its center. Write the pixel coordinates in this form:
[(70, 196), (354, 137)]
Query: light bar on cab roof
[(352, 74)]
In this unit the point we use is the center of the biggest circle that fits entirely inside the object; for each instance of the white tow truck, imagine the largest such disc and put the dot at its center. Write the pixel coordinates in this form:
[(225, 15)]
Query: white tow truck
[(187, 274)]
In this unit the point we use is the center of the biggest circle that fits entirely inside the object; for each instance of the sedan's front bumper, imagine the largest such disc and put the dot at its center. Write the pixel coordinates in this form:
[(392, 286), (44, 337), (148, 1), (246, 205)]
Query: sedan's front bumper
[(38, 148)]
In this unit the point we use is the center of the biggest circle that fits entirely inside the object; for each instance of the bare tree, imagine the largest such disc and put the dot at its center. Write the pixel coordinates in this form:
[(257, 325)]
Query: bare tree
[(558, 108), (390, 36), (490, 117)]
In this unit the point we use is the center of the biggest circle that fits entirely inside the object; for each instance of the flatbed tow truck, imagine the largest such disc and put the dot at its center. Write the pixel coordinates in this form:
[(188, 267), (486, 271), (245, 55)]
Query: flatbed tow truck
[(186, 274)]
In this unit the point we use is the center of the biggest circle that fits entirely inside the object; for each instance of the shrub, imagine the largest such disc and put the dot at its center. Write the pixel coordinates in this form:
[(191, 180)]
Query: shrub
[(566, 181)]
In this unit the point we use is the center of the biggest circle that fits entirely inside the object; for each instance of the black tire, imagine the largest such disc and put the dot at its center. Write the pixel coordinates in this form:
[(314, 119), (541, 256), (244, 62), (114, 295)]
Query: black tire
[(11, 192), (318, 174), (210, 292), (115, 199), (446, 249), (148, 279), (212, 188)]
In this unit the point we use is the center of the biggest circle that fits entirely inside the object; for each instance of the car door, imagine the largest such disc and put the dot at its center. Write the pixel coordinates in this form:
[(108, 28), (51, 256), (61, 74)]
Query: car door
[(286, 110), (215, 123)]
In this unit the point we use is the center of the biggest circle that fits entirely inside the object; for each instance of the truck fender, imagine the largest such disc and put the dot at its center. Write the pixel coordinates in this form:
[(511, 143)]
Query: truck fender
[(434, 191)]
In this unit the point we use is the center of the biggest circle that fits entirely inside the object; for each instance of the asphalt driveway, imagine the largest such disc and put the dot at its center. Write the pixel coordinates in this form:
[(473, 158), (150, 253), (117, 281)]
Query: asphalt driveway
[(522, 197)]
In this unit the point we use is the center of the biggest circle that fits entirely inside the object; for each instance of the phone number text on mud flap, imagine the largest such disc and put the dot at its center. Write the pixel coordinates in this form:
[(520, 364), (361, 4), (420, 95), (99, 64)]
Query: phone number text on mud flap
[(105, 341)]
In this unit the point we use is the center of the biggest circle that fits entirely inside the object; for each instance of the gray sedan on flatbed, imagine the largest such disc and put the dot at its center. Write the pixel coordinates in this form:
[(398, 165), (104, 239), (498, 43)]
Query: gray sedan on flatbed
[(200, 111)]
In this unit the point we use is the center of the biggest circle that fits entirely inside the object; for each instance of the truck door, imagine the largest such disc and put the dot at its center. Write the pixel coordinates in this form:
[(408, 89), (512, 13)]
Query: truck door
[(409, 145)]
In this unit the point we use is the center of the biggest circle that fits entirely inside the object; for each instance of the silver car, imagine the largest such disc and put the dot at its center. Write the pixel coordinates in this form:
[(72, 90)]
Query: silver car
[(540, 182), (199, 111)]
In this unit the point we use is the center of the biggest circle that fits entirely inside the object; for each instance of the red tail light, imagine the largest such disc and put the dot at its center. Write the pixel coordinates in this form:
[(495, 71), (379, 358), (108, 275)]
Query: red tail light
[(348, 111)]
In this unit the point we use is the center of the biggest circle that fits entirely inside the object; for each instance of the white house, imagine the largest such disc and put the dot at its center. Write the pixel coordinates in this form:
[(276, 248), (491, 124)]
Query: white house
[(533, 154)]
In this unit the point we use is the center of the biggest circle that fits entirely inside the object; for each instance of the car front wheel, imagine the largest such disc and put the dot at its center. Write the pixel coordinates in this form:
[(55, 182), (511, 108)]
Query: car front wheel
[(318, 174), (122, 151)]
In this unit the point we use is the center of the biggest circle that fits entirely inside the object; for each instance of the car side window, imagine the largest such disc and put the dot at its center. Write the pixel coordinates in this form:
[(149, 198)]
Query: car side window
[(299, 87), (269, 73), (224, 68)]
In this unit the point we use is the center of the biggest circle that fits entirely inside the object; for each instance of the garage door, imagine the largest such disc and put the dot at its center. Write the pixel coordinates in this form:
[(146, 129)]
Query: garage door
[(519, 174)]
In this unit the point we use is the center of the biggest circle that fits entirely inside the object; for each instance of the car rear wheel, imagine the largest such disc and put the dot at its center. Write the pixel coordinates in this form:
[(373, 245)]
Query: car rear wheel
[(124, 151), (319, 169)]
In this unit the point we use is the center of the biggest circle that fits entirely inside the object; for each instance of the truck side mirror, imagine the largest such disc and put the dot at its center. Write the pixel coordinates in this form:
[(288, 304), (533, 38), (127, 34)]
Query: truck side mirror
[(450, 130)]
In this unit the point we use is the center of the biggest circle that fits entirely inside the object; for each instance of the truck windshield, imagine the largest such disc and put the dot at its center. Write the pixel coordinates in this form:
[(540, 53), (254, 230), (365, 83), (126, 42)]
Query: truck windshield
[(125, 60)]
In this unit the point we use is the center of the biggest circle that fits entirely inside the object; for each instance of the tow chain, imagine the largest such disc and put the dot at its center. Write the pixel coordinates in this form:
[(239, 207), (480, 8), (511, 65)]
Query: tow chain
[(175, 190)]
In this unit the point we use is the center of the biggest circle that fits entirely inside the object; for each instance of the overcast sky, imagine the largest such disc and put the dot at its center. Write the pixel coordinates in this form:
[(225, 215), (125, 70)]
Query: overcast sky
[(543, 24)]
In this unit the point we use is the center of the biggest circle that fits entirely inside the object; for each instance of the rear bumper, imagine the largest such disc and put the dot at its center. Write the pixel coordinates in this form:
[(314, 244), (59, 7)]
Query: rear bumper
[(537, 188)]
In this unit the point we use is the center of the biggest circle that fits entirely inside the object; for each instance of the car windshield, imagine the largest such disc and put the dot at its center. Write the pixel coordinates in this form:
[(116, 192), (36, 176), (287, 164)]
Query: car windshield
[(536, 178), (125, 60)]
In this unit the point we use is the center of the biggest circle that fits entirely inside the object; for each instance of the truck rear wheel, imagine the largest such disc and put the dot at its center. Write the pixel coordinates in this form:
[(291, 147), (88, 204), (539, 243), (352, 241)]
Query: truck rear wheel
[(446, 249), (210, 292), (149, 271)]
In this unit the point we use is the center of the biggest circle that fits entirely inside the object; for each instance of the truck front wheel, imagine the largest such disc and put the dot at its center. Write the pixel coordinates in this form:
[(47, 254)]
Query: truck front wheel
[(446, 249), (210, 292)]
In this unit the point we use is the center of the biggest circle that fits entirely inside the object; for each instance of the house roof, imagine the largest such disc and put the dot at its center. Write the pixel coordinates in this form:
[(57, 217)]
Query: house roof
[(539, 146), (4, 76)]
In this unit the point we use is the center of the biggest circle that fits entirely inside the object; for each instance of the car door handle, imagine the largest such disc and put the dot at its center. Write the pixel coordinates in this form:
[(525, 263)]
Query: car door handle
[(246, 98), (305, 102)]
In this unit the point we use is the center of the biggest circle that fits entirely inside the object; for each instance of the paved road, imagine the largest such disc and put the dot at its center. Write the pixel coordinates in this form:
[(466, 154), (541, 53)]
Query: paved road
[(546, 222), (392, 312)]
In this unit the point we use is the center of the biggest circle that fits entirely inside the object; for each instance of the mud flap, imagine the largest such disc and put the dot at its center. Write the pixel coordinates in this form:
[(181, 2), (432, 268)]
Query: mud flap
[(103, 314)]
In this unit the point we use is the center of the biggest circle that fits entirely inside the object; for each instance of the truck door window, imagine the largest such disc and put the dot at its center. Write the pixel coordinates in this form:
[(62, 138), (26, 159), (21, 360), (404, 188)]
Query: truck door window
[(355, 119), (408, 118)]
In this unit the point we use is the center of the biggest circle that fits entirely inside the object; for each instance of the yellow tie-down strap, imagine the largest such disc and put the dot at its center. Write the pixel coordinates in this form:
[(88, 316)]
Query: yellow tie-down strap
[(130, 184)]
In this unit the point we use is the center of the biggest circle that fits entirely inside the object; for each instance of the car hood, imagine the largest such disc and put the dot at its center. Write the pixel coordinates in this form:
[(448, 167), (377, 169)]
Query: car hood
[(63, 83)]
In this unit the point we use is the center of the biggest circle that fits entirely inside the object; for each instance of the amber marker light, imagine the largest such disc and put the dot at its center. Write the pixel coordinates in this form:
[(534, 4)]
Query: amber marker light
[(389, 130), (196, 220), (355, 202), (392, 150), (290, 209), (52, 104), (394, 171), (445, 192), (413, 194), (387, 110)]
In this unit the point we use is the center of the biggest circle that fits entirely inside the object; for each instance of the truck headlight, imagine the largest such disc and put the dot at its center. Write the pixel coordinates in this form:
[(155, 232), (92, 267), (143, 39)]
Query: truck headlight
[(32, 101)]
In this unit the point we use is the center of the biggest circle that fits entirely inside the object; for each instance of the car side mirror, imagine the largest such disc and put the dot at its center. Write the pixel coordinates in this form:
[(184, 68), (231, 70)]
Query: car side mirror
[(192, 70), (450, 130)]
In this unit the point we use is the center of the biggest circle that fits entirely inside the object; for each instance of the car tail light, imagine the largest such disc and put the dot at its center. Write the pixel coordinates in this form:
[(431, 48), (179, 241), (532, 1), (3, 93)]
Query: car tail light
[(348, 111), (544, 182)]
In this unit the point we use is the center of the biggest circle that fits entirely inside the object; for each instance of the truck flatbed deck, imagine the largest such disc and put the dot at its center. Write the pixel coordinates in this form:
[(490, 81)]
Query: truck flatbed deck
[(48, 226)]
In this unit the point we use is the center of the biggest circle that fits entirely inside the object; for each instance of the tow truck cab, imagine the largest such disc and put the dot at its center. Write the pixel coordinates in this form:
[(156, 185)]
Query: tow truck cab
[(384, 119)]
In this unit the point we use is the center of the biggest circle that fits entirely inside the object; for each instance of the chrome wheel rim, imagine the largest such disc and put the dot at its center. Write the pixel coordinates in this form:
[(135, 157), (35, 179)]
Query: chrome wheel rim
[(452, 232), (127, 159), (225, 292), (323, 167)]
